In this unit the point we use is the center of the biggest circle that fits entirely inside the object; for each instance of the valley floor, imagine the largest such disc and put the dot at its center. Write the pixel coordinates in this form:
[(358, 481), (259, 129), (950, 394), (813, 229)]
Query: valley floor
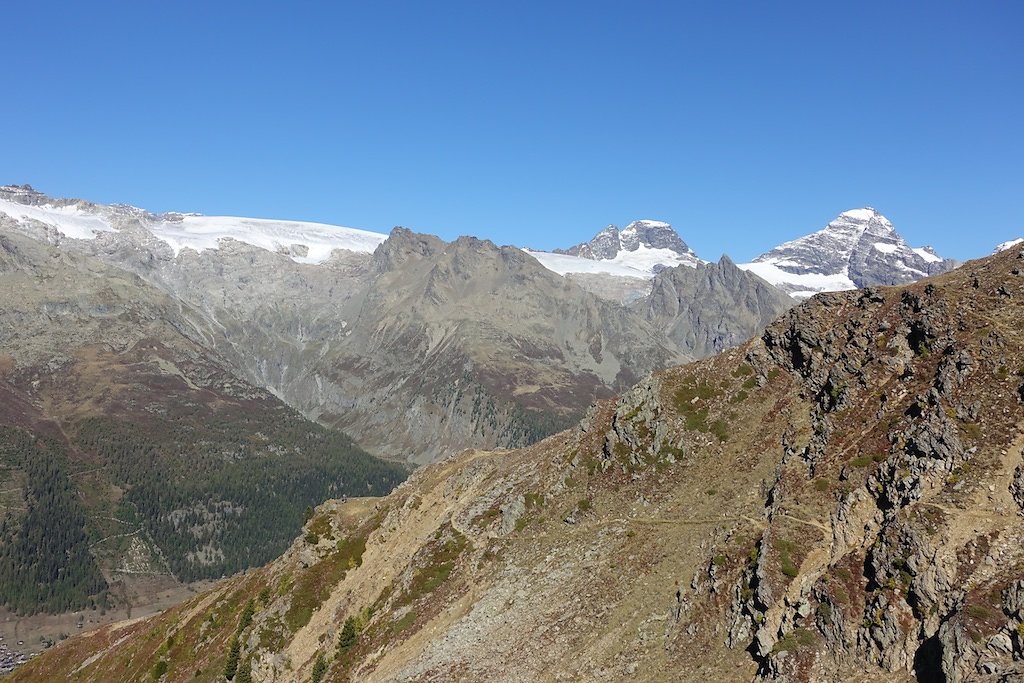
[(149, 595)]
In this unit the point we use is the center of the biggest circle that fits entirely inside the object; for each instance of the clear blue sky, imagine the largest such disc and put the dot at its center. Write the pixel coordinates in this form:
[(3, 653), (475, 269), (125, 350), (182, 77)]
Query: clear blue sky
[(530, 123)]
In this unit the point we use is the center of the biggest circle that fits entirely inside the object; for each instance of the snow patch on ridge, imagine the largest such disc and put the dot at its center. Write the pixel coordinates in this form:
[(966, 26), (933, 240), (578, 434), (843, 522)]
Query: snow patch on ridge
[(1003, 246), (808, 284), (646, 221), (647, 258), (865, 214), (643, 262), (199, 233), (563, 264), (70, 220), (927, 255)]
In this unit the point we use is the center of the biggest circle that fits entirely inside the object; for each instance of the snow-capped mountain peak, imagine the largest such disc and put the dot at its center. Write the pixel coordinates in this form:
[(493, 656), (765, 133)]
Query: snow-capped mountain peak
[(864, 214), (640, 250), (858, 248)]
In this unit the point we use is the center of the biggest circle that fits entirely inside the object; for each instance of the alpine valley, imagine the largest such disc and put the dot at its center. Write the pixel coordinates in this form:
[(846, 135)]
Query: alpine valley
[(832, 495), (837, 499)]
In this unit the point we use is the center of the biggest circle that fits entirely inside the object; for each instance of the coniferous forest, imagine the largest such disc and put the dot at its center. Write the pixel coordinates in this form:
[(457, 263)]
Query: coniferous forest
[(45, 564), (215, 491)]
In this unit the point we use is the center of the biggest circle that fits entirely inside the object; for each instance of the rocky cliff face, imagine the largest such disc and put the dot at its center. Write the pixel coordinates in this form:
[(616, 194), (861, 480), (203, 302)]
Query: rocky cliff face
[(836, 500), (711, 307)]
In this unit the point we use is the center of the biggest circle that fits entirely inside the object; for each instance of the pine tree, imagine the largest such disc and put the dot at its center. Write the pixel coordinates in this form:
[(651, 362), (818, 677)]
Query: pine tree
[(231, 666), (349, 636), (319, 669), (246, 618), (244, 672)]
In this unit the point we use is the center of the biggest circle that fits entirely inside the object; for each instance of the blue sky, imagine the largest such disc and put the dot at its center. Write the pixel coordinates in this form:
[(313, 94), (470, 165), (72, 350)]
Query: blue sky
[(531, 123)]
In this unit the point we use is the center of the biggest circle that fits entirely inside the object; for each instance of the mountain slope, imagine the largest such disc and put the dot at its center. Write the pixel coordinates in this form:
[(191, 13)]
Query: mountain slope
[(837, 500), (474, 337), (860, 248), (128, 447), (413, 346)]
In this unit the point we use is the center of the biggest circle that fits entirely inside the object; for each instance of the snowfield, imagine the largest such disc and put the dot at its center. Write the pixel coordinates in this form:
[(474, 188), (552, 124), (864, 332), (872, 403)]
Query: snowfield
[(563, 264), (199, 233), (205, 232), (70, 220), (641, 263), (927, 255), (1003, 246), (807, 284)]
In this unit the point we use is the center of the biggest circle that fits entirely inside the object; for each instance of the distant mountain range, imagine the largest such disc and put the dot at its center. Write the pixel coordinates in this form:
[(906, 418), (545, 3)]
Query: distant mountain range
[(413, 345), (860, 248), (416, 346)]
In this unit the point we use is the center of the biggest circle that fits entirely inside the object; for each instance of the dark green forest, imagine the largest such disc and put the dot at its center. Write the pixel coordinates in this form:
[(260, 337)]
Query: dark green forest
[(45, 564), (236, 483), (216, 490)]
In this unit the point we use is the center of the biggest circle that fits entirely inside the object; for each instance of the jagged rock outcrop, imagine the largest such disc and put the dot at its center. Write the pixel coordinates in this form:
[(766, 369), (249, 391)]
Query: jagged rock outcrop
[(891, 539), (712, 306)]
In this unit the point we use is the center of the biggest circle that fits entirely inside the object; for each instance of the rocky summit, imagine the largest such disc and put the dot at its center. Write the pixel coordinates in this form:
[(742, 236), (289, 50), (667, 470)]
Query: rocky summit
[(612, 244), (860, 248), (838, 499), (730, 304)]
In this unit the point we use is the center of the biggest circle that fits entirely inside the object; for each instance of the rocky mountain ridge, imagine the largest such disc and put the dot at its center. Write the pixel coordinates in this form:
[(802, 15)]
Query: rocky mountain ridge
[(729, 302), (414, 346), (838, 499)]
